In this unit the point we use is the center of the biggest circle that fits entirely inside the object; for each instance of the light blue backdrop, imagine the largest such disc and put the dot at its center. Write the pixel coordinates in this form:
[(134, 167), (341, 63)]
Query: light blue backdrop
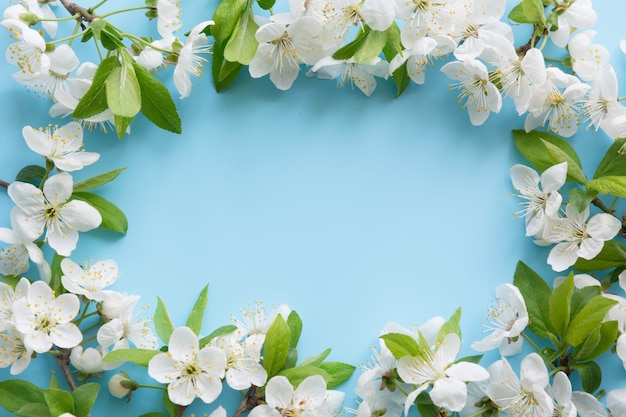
[(354, 211)]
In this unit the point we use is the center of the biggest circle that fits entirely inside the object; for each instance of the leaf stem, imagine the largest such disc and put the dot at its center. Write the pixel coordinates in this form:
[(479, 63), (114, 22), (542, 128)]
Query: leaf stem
[(92, 8), (531, 342), (75, 9), (129, 9)]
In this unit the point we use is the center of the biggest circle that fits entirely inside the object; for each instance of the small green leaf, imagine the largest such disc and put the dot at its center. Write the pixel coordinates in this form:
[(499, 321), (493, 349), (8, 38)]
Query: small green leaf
[(581, 297), (121, 124), (112, 217), (224, 72), (139, 357), (401, 345), (31, 173), (242, 45), (292, 358), (517, 14), (453, 325), (194, 321), (97, 181), (123, 92), (609, 185), (590, 376), (371, 47), (58, 401), (612, 255), (295, 326), (534, 11), (156, 102), (316, 360), (266, 4), (608, 335), (226, 17), (560, 305), (614, 162), (471, 359), (589, 317), (53, 381), (111, 38), (17, 393), (56, 273), (580, 200), (276, 346), (574, 169), (162, 322), (94, 101), (588, 345), (11, 280), (348, 50), (84, 398), (298, 374), (220, 331), (338, 371), (536, 295), (425, 406)]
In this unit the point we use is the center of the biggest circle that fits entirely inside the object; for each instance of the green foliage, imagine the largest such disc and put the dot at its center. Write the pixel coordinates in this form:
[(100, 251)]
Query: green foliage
[(612, 255), (401, 345), (612, 185), (23, 398), (194, 321), (224, 72), (123, 92), (58, 401), (614, 162), (242, 45), (220, 331), (162, 322), (588, 318), (137, 356), (536, 294), (339, 372), (590, 376), (317, 359), (97, 181), (226, 17), (95, 101), (84, 398), (31, 173), (560, 304), (295, 326), (56, 273), (112, 217), (453, 325), (528, 11), (276, 346), (392, 48), (156, 102), (266, 4)]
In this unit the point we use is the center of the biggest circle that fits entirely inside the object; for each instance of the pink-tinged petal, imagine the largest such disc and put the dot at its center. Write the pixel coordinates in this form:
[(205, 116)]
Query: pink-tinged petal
[(278, 392), (467, 371), (163, 368), (183, 344), (37, 141), (603, 226), (66, 335), (80, 215), (533, 372), (589, 248), (209, 387), (562, 256), (449, 393), (181, 391), (58, 188)]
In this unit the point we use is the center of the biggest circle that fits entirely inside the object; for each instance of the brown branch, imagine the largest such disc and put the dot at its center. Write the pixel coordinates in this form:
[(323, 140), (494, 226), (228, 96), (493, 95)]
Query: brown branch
[(74, 9), (63, 360), (181, 410), (248, 403), (4, 184)]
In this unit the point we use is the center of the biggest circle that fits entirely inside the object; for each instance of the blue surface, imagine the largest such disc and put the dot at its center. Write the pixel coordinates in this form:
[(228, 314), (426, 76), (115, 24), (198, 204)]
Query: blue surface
[(353, 211)]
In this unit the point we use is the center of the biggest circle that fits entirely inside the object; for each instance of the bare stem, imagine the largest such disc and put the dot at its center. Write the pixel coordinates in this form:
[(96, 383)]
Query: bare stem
[(74, 9), (181, 410), (4, 184), (248, 403), (63, 360)]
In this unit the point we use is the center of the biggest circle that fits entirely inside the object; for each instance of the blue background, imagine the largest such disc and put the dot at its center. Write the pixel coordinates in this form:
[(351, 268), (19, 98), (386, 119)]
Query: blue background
[(354, 211)]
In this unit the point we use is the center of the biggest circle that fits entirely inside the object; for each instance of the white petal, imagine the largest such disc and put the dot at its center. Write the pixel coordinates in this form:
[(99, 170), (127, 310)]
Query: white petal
[(449, 393)]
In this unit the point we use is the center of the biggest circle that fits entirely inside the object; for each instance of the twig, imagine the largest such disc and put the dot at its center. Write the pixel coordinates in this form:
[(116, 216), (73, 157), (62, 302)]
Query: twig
[(4, 184), (63, 360), (75, 9), (181, 410), (248, 403)]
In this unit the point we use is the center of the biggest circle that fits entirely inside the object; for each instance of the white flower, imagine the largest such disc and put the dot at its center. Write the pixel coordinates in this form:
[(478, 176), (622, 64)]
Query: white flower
[(476, 92), (507, 321), (438, 370), (601, 106), (60, 145), (588, 59), (89, 360), (283, 48), (28, 53), (50, 209), (338, 16), (420, 54), (282, 400), (556, 102), (520, 397), (561, 390), (578, 237), (428, 17), (189, 62), (13, 352), (375, 399), (45, 320), (243, 360), (189, 371), (123, 329), (43, 10), (541, 202), (578, 14), (88, 281), (350, 71), (589, 406), (8, 296), (257, 321), (113, 303), (14, 259), (168, 17)]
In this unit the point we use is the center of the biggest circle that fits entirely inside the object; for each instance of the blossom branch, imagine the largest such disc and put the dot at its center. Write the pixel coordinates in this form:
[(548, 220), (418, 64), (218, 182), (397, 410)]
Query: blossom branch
[(74, 9), (63, 360), (4, 184), (248, 403)]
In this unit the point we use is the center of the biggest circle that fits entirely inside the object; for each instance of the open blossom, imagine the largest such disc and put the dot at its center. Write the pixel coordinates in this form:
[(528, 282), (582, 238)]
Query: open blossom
[(8, 296), (577, 237), (541, 195), (506, 320), (89, 360), (338, 16), (588, 406), (437, 369), (43, 10), (189, 371), (50, 210), (28, 53), (15, 259), (45, 320), (243, 360), (168, 17), (123, 329), (577, 14), (588, 59), (89, 281), (521, 397), (420, 54), (13, 352), (477, 93), (189, 61), (255, 319), (60, 145), (352, 72), (601, 107)]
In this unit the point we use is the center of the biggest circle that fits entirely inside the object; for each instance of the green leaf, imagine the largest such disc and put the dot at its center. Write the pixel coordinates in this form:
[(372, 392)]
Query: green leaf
[(58, 401), (612, 185), (97, 181), (156, 102), (298, 374), (94, 101), (112, 217), (560, 305), (348, 50), (84, 398), (590, 376), (220, 331), (295, 326), (17, 393), (471, 359), (581, 297), (612, 255), (56, 274), (266, 4), (517, 14), (121, 124), (401, 345), (31, 173), (162, 322), (242, 45), (11, 280), (276, 346), (425, 406), (123, 92), (316, 360), (614, 162), (549, 355), (170, 407), (338, 371), (292, 358), (534, 146), (608, 335), (588, 345), (534, 11), (589, 317), (111, 38), (139, 357), (453, 325), (580, 200), (371, 47), (194, 321), (536, 295), (226, 17), (224, 72), (53, 381)]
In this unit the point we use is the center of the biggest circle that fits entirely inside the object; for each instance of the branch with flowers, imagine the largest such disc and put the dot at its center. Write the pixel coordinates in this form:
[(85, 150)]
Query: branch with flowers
[(69, 313)]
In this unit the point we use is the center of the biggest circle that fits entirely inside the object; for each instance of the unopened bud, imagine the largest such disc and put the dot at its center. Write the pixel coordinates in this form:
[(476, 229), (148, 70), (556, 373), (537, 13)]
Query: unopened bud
[(121, 385)]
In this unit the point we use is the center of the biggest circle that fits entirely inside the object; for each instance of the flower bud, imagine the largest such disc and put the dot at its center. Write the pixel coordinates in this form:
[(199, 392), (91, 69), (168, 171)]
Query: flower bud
[(121, 385)]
